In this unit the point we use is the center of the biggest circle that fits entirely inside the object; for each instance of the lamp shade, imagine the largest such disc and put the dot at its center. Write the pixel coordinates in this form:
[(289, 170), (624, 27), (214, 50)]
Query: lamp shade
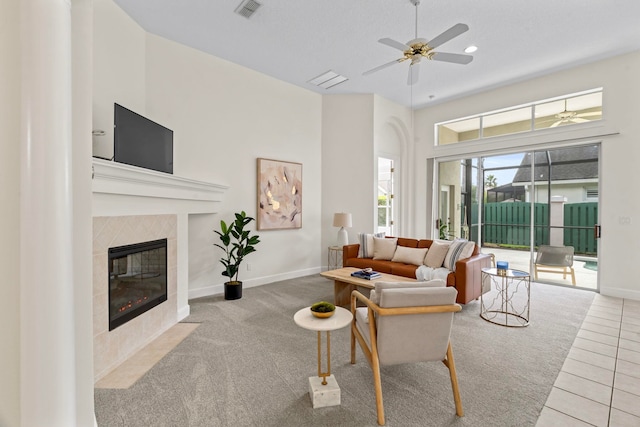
[(342, 219)]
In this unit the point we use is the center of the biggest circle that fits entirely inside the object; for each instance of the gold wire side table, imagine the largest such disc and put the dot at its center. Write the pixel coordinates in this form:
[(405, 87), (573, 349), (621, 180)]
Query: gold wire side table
[(507, 300)]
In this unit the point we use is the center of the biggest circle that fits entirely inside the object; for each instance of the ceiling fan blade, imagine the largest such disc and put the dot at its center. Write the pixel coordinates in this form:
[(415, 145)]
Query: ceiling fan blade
[(380, 67), (452, 32), (395, 44), (578, 120), (452, 57), (591, 114), (414, 73)]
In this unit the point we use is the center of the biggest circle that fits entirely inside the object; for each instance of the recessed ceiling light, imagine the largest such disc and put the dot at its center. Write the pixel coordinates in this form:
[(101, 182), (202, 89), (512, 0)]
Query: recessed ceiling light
[(471, 49)]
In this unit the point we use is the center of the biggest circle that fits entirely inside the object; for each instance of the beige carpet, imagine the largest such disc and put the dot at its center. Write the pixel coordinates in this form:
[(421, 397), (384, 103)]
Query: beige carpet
[(125, 375), (248, 364)]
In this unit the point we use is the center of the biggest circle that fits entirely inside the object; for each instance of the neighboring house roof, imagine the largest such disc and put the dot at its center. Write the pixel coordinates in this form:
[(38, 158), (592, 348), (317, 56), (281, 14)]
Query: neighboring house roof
[(505, 193), (572, 163)]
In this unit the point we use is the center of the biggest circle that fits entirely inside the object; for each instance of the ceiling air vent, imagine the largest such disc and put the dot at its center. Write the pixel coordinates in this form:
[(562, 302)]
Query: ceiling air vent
[(247, 8)]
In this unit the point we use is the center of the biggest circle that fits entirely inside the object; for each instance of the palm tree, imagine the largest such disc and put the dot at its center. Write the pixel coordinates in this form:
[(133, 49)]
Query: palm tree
[(490, 181)]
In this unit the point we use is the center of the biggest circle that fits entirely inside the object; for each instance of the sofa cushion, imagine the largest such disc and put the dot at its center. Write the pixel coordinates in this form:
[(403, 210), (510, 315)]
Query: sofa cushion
[(384, 248), (436, 253), (406, 255), (458, 249), (366, 244), (405, 270)]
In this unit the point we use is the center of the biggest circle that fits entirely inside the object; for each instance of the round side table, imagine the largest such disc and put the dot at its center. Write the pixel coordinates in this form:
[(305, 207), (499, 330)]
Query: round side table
[(507, 300), (323, 389)]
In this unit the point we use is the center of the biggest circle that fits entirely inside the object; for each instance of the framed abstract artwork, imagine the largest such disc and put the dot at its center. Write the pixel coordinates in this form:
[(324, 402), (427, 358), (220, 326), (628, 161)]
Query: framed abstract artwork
[(279, 195)]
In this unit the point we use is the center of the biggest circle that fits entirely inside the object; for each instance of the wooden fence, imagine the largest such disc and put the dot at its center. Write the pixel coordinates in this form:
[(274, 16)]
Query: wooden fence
[(508, 224)]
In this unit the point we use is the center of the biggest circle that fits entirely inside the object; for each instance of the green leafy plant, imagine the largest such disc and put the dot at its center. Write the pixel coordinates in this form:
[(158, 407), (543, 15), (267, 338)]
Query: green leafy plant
[(443, 230), (236, 242)]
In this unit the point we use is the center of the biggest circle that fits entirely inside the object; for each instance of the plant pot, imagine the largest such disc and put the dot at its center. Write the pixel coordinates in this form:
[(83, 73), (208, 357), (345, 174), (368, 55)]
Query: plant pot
[(232, 290)]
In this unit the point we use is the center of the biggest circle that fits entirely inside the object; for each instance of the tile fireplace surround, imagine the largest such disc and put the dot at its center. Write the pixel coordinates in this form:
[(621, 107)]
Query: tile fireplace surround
[(133, 205)]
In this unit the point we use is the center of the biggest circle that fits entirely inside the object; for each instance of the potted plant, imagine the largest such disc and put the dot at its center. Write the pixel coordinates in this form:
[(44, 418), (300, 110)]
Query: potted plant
[(236, 242)]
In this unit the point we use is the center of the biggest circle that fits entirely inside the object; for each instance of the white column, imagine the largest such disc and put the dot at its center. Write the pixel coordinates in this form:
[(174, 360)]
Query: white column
[(10, 213), (556, 219), (47, 372), (82, 99)]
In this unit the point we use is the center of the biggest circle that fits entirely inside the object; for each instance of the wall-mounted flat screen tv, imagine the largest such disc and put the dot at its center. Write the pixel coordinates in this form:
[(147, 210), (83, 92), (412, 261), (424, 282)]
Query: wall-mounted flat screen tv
[(138, 141)]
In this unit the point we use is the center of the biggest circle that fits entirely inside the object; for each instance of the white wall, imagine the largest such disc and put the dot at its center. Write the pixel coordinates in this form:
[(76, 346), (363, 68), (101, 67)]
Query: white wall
[(348, 165), (10, 213), (356, 129), (620, 153), (224, 117), (118, 70)]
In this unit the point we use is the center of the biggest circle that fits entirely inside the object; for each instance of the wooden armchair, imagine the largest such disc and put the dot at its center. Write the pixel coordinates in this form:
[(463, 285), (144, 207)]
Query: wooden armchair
[(409, 325), (555, 259)]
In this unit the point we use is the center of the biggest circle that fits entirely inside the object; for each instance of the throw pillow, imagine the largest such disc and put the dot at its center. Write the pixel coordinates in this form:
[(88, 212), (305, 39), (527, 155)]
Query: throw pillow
[(406, 255), (384, 248), (366, 244), (374, 296), (459, 249), (436, 253)]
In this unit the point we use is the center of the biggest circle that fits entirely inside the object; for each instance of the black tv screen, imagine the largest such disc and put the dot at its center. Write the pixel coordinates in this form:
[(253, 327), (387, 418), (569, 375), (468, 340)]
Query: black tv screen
[(138, 141)]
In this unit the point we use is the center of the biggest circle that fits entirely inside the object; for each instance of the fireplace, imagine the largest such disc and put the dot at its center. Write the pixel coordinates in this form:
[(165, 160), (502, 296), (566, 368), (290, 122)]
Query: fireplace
[(137, 280)]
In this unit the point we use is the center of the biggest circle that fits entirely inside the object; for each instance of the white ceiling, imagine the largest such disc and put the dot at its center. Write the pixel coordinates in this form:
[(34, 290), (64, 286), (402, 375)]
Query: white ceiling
[(297, 40)]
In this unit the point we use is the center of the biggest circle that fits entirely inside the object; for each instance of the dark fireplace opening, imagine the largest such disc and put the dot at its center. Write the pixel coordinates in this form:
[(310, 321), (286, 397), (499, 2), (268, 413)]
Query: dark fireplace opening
[(137, 280)]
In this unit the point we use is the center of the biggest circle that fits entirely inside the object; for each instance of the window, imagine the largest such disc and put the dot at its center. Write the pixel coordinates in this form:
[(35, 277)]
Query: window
[(562, 111), (385, 196)]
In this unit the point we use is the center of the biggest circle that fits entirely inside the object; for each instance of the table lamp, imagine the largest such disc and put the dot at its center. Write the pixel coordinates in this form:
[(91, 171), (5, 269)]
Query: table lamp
[(342, 220)]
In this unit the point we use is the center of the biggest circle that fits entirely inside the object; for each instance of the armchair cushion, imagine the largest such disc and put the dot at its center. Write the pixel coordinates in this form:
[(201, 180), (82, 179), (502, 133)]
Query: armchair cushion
[(374, 295), (428, 333)]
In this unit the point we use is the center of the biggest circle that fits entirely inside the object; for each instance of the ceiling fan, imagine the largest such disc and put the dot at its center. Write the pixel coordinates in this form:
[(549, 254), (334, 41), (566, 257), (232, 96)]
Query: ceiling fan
[(568, 116), (416, 49)]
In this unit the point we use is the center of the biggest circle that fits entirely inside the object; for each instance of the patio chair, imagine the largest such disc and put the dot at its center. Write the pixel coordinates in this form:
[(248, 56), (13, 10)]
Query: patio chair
[(555, 259), (409, 325)]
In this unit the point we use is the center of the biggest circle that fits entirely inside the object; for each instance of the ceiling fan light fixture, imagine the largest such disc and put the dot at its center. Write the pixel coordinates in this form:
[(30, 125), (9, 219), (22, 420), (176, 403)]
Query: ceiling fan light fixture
[(471, 49), (414, 49)]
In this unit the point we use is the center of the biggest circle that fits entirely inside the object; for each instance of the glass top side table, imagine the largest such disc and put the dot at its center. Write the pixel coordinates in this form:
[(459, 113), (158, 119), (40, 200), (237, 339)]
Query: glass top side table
[(508, 297)]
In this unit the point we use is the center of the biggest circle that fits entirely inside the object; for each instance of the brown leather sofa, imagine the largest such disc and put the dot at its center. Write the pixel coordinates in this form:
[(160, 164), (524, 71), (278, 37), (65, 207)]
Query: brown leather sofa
[(466, 279)]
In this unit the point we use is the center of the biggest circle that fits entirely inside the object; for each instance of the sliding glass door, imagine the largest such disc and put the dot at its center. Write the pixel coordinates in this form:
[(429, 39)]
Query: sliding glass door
[(512, 204)]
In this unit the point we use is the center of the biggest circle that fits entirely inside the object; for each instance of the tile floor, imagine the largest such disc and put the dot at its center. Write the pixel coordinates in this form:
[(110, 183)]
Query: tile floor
[(599, 384)]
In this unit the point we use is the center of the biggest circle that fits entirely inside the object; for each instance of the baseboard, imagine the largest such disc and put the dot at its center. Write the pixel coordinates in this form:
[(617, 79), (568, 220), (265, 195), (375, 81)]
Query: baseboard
[(184, 312), (620, 293), (251, 283)]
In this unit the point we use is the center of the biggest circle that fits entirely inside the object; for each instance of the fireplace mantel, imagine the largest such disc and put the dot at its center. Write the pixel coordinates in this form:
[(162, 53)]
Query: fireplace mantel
[(120, 189), (130, 205)]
